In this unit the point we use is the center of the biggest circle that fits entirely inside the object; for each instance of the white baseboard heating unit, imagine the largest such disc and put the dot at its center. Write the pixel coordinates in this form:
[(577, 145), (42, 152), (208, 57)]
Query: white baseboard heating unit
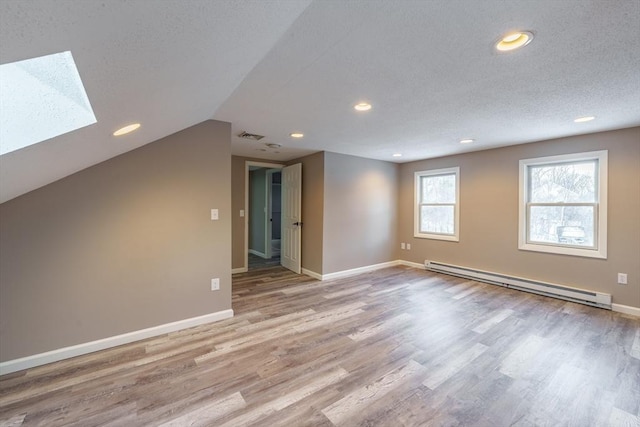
[(582, 296)]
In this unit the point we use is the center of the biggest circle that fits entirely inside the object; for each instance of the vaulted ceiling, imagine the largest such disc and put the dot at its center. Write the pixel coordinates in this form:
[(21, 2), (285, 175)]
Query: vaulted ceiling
[(273, 67)]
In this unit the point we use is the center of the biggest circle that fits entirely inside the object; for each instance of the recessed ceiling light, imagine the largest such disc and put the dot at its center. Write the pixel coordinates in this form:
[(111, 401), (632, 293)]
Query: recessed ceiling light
[(397, 155), (466, 141), (296, 135), (127, 129), (584, 119), (514, 41), (273, 145), (363, 106)]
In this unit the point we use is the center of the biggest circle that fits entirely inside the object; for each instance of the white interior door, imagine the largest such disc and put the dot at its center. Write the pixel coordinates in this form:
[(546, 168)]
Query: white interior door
[(291, 217)]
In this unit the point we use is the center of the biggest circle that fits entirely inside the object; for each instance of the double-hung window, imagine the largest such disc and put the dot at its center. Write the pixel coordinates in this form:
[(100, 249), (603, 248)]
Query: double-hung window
[(563, 204), (437, 204)]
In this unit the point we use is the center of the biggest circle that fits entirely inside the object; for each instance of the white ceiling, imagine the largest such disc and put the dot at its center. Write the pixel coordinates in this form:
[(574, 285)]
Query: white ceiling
[(430, 71), (273, 67), (167, 64)]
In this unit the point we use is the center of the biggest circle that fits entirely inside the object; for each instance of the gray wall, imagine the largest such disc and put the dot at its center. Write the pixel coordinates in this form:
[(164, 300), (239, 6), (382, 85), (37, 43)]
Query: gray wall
[(128, 244), (312, 210), (489, 216), (257, 214), (349, 211), (237, 204), (124, 245), (360, 212)]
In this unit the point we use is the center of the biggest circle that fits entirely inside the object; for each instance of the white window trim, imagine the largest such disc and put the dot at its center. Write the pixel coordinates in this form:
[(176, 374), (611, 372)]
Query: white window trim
[(455, 237), (601, 206)]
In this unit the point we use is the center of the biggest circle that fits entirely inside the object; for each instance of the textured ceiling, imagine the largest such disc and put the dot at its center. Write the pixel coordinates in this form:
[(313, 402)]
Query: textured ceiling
[(430, 71), (273, 67), (167, 64)]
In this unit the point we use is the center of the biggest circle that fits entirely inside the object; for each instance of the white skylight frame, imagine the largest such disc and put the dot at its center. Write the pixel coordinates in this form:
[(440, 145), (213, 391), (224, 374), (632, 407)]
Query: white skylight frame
[(41, 98)]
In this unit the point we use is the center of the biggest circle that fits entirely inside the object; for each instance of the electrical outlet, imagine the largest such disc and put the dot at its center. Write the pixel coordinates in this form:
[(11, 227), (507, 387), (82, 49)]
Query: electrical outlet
[(622, 278), (215, 284), (241, 213), (408, 246), (402, 245)]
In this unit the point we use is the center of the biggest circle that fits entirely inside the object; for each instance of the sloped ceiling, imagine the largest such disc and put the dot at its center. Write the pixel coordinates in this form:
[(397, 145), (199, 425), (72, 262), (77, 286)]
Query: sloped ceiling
[(167, 64), (274, 67)]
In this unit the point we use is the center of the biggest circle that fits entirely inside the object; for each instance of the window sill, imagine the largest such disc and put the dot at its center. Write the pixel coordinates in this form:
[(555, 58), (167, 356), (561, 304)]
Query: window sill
[(446, 237), (557, 250)]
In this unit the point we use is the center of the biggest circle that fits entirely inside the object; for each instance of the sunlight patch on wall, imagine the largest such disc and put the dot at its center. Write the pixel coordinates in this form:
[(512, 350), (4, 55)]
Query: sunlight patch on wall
[(41, 98)]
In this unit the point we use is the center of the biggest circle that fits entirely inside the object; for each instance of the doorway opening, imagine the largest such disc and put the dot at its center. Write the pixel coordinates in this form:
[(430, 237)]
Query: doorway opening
[(263, 225), (273, 220)]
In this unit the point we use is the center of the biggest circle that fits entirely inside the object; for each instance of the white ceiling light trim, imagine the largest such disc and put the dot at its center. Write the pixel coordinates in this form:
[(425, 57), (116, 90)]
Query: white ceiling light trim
[(514, 40), (127, 129), (362, 106)]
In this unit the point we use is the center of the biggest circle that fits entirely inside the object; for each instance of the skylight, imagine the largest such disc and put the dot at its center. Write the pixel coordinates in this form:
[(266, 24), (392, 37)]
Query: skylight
[(41, 98)]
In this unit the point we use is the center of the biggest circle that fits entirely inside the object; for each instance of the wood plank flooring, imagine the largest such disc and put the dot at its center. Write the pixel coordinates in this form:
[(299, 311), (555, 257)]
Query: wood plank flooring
[(256, 262), (395, 347)]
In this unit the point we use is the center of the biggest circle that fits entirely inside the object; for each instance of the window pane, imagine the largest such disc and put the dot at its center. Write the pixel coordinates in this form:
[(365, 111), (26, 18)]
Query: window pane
[(437, 219), (41, 98), (439, 189), (565, 182), (570, 225)]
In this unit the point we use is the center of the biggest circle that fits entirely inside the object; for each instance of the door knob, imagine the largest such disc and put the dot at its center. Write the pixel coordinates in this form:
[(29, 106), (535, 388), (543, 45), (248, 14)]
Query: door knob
[(297, 223)]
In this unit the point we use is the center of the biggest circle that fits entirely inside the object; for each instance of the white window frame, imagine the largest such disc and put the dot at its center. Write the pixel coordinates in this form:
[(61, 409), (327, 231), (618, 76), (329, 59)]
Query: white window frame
[(600, 206), (455, 237)]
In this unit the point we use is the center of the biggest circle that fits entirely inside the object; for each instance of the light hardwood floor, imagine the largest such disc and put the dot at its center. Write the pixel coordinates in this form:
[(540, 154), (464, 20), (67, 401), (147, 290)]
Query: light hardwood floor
[(395, 347)]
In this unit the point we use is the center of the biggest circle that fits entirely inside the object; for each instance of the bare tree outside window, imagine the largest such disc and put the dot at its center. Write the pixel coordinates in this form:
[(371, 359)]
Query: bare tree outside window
[(437, 204), (563, 204)]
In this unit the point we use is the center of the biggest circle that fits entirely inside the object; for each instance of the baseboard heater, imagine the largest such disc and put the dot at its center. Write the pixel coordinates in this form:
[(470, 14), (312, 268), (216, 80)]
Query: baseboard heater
[(582, 296)]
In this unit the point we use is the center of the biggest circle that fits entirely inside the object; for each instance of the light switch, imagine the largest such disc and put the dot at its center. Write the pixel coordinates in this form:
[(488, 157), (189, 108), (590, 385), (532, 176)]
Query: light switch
[(214, 214), (241, 213)]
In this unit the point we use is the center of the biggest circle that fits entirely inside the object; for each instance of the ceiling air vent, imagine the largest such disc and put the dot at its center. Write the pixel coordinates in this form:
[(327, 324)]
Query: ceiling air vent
[(252, 136)]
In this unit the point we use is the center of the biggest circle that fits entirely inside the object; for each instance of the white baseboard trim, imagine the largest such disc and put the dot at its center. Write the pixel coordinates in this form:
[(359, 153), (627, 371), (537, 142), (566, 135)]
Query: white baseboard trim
[(411, 264), (359, 270), (90, 347), (626, 309), (260, 254), (312, 274), (239, 270)]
